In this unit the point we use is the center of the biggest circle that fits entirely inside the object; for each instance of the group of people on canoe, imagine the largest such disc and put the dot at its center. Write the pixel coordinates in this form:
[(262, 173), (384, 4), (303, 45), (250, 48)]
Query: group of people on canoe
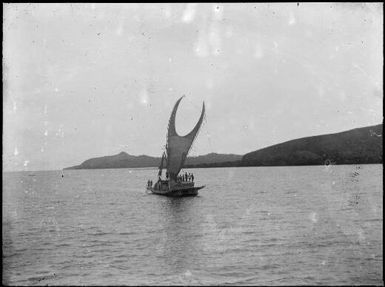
[(186, 177), (183, 177)]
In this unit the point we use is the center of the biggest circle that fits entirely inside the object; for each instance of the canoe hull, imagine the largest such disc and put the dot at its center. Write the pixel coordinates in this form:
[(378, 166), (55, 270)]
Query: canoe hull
[(191, 191)]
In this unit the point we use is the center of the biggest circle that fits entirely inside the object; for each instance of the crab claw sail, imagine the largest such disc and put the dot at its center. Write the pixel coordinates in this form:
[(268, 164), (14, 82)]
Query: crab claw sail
[(179, 146)]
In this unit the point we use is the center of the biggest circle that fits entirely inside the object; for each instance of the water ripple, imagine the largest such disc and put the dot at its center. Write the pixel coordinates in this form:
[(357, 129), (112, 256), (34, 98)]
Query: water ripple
[(265, 226)]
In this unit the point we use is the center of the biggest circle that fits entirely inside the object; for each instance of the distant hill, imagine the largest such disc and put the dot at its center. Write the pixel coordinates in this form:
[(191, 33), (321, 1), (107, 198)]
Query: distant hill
[(124, 160), (120, 160), (212, 158), (357, 146)]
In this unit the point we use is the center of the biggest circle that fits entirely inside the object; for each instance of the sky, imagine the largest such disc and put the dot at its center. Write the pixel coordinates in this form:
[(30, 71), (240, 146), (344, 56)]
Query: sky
[(89, 80)]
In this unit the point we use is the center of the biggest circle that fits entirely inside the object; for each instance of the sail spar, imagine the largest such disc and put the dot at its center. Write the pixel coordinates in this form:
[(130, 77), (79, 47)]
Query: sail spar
[(179, 146), (161, 164)]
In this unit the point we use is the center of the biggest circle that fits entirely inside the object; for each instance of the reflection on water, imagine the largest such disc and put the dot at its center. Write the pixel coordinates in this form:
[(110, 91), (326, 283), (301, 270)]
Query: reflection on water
[(179, 241), (248, 226)]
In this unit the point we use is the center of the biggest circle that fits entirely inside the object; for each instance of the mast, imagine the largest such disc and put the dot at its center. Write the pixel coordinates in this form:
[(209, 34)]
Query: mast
[(161, 164)]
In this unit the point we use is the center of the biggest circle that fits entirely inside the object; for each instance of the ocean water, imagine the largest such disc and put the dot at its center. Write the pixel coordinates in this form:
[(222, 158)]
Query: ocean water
[(249, 226)]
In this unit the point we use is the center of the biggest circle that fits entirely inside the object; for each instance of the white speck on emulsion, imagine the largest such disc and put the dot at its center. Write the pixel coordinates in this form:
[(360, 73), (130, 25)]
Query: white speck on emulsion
[(60, 132), (292, 19), (26, 162), (314, 217), (189, 13), (143, 95)]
